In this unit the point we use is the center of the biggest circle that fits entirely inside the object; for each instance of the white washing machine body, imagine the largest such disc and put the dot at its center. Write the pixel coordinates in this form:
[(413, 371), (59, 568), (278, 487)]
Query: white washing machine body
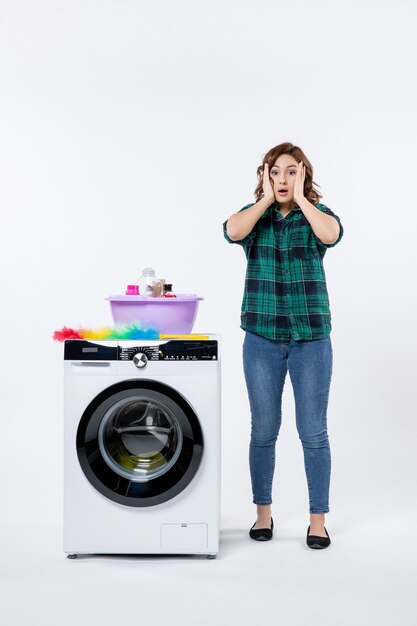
[(142, 447)]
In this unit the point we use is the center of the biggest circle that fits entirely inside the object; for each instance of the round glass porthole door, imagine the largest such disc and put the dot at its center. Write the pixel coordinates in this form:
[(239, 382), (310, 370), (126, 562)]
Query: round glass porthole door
[(140, 438), (139, 443)]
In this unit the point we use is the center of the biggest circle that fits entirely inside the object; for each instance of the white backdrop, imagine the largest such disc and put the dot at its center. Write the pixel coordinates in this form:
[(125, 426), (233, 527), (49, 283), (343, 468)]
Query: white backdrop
[(129, 132)]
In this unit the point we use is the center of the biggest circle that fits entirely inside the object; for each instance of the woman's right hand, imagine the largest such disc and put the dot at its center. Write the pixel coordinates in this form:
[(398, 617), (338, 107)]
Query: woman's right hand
[(266, 185)]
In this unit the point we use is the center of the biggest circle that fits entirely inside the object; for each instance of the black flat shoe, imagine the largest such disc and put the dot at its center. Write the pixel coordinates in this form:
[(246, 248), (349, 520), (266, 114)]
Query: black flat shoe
[(316, 542), (262, 534)]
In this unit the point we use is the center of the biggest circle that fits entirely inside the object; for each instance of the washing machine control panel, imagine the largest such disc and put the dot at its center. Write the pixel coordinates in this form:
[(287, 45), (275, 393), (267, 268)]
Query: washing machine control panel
[(171, 350)]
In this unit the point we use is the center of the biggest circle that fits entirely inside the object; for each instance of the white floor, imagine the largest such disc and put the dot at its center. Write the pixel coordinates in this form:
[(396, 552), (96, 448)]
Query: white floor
[(367, 576)]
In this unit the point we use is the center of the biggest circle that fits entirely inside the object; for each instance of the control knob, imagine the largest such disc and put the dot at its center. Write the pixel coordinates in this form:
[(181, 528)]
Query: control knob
[(140, 359)]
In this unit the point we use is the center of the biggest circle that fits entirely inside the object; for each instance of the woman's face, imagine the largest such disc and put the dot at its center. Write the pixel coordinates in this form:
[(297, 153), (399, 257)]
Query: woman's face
[(283, 174)]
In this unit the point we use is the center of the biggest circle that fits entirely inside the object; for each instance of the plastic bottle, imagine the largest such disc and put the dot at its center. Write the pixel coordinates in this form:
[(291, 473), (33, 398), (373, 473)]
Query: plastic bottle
[(149, 284)]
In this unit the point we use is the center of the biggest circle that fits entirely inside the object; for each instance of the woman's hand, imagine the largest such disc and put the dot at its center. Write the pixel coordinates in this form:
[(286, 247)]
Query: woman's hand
[(266, 185), (299, 183)]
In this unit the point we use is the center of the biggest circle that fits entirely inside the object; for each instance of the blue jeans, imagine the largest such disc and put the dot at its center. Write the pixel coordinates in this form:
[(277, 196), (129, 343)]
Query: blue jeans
[(310, 363)]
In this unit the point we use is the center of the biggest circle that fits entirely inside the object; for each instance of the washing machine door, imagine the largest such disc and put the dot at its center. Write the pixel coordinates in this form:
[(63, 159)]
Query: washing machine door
[(139, 443)]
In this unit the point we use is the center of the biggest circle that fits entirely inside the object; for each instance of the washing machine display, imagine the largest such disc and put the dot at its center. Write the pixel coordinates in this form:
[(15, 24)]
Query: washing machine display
[(139, 443)]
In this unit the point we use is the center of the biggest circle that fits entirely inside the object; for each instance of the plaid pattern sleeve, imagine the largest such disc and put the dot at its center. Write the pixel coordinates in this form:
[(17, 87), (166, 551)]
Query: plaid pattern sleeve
[(326, 209), (285, 294), (250, 237)]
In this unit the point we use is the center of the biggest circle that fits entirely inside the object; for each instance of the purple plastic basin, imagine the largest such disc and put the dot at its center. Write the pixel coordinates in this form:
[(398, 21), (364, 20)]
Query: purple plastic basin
[(167, 315)]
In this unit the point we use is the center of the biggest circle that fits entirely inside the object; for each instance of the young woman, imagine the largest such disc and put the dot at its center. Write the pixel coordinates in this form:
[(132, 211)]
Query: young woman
[(287, 323)]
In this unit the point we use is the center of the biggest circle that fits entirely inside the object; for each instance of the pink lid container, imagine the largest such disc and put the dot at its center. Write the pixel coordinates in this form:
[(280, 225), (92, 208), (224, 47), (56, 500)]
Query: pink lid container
[(132, 290), (167, 315)]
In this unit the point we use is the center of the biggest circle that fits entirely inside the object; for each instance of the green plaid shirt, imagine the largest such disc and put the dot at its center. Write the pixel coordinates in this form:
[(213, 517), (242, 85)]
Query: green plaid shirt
[(285, 294)]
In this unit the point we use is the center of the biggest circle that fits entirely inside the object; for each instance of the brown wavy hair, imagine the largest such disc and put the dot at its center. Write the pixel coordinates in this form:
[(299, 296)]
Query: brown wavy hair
[(271, 156)]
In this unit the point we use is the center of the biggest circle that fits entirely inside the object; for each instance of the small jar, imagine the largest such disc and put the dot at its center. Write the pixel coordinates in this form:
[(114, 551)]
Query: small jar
[(168, 291)]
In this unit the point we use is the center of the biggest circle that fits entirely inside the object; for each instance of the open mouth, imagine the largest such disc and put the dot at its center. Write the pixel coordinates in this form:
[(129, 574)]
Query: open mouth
[(283, 192)]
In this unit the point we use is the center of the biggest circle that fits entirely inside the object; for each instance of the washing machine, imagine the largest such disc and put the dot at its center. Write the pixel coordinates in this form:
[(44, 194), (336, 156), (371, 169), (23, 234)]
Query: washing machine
[(142, 446)]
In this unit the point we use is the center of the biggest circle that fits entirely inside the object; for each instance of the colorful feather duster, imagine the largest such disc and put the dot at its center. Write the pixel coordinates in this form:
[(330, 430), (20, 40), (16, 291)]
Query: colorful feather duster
[(133, 330), (66, 333)]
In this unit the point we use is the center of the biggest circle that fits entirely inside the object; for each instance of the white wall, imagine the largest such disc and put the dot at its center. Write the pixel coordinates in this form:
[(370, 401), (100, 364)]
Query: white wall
[(129, 132)]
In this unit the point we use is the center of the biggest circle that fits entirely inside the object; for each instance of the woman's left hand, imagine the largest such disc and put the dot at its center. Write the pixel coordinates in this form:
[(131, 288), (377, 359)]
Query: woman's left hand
[(299, 183)]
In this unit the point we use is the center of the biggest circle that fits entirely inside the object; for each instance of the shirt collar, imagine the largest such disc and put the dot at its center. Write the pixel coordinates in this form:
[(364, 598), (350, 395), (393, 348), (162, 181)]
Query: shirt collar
[(275, 207)]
